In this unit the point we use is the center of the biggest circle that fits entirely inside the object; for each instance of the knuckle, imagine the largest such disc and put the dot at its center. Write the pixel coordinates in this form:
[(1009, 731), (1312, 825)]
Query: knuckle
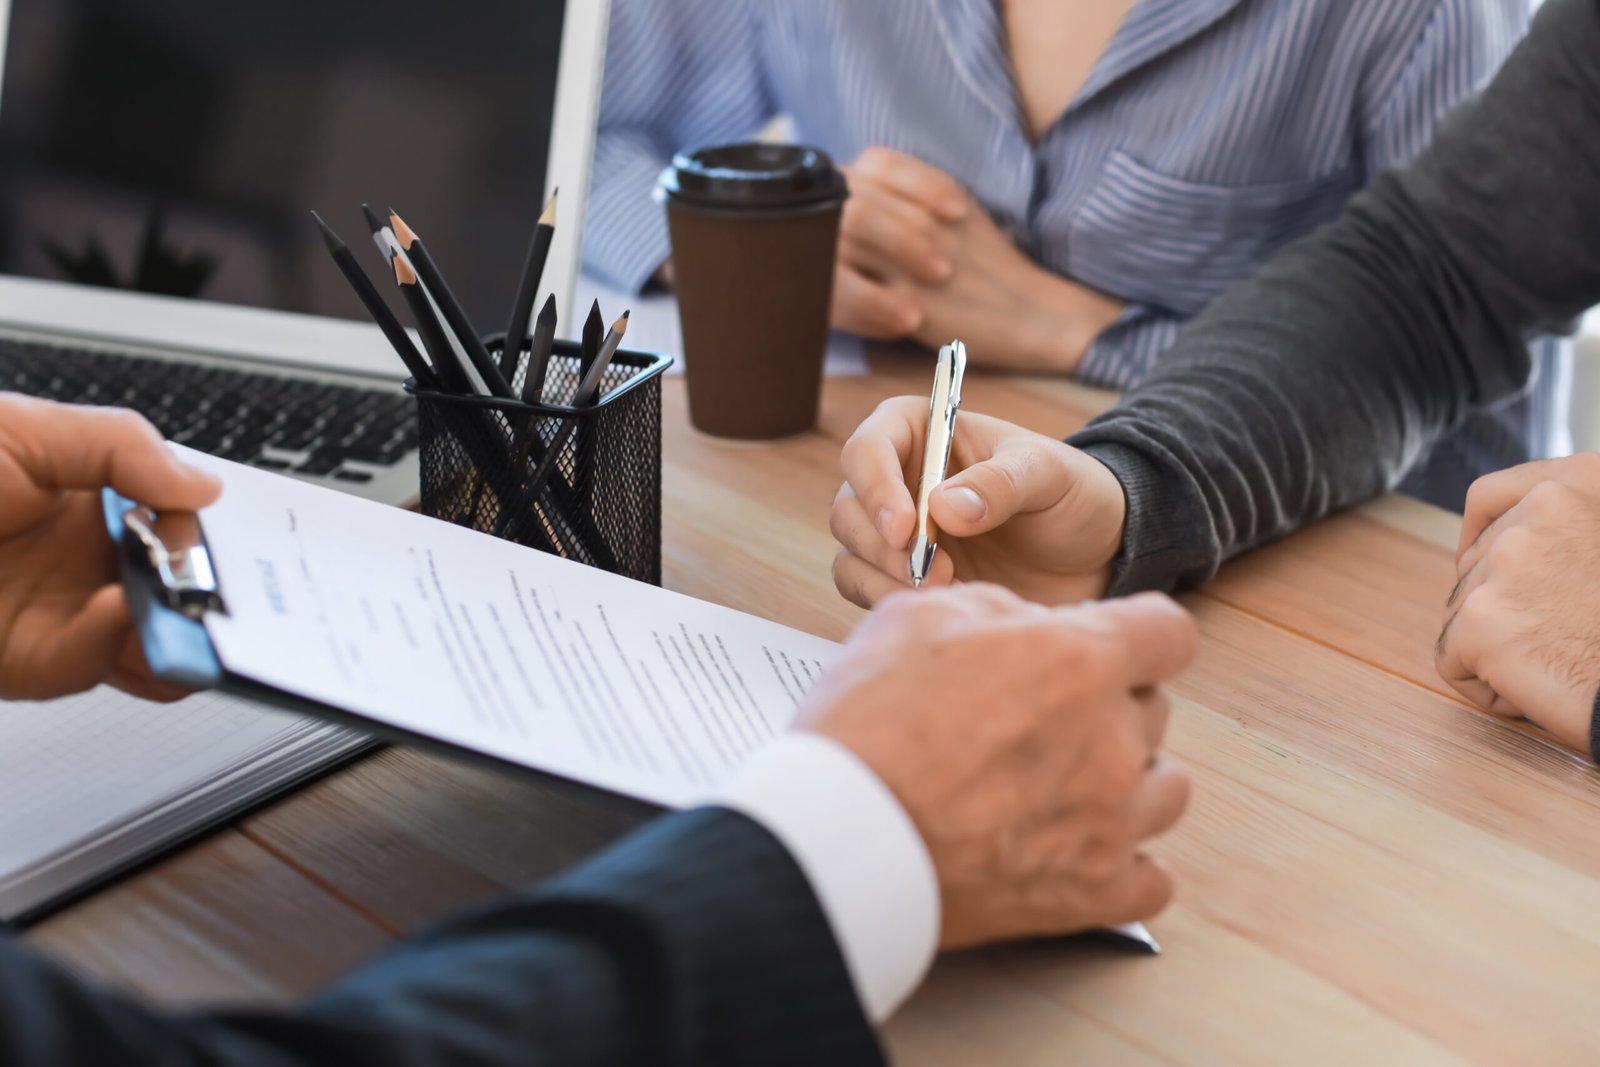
[(873, 161), (1512, 550), (1476, 616)]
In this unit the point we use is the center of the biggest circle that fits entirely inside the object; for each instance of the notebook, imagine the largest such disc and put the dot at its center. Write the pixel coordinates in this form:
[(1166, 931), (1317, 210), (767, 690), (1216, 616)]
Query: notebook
[(93, 784)]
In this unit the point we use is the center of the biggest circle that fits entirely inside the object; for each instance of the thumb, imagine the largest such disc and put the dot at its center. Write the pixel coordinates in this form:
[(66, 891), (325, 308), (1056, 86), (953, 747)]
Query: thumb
[(1016, 480), (63, 447)]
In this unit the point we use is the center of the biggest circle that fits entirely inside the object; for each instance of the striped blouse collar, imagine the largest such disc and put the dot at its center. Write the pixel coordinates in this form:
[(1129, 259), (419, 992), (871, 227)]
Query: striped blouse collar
[(975, 36)]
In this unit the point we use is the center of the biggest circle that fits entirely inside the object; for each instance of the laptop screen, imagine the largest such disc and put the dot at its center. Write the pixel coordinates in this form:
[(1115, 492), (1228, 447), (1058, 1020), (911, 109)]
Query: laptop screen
[(177, 147)]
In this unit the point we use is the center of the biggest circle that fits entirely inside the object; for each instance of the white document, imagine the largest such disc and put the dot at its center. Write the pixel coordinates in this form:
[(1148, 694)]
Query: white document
[(498, 648)]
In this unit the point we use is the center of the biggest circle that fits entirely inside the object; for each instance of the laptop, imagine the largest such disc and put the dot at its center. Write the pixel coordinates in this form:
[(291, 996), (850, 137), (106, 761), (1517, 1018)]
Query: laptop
[(159, 160)]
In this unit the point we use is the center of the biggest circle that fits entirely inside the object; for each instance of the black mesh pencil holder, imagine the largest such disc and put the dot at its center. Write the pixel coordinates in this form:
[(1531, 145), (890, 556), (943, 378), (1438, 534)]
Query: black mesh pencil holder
[(582, 483)]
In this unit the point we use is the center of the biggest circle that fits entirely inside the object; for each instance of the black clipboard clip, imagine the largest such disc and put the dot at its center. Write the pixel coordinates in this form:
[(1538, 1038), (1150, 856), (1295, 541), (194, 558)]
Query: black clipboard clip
[(171, 584)]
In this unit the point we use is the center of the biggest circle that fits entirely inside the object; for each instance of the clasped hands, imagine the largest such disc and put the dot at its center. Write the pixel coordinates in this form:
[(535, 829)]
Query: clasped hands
[(919, 259)]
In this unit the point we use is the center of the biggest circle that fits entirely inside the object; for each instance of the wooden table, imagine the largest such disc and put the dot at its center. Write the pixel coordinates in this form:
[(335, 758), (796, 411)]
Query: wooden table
[(1371, 871)]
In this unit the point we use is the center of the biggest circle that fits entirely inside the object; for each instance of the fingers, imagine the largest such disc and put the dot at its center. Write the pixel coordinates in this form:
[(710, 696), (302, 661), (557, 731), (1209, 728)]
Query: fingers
[(1161, 798), (1142, 893), (874, 463), (888, 236), (1458, 656), (1026, 473), (914, 180), (865, 585), (868, 308), (860, 537), (1155, 711), (1495, 494), (60, 446), (1159, 639), (81, 654)]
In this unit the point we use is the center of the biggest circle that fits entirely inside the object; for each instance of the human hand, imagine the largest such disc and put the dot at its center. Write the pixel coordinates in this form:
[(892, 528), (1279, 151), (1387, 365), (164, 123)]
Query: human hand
[(1023, 742), (64, 625), (1017, 509), (919, 259), (1522, 627)]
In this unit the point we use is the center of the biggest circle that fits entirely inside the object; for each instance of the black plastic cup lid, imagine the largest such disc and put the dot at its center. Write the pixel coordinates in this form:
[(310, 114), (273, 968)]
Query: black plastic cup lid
[(754, 176)]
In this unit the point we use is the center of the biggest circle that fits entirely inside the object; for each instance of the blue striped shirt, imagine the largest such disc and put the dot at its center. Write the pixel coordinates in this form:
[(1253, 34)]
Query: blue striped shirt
[(1209, 134)]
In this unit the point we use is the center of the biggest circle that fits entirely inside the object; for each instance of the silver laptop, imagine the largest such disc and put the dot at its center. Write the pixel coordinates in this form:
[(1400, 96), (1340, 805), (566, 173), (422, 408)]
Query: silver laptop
[(159, 160)]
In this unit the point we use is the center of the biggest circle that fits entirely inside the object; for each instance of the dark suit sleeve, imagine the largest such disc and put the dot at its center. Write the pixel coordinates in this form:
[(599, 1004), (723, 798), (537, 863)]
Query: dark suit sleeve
[(1318, 383), (696, 941)]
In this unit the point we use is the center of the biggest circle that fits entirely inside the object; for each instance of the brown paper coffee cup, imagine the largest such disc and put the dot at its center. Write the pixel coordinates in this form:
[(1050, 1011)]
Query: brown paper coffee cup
[(754, 232)]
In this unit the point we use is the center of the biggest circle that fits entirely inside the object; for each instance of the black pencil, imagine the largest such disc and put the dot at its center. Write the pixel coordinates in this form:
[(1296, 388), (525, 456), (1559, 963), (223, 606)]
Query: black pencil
[(377, 307), (454, 316), (528, 289), (451, 374), (594, 329), (544, 336)]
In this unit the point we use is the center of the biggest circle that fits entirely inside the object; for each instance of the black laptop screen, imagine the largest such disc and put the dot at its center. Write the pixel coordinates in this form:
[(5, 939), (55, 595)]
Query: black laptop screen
[(178, 146)]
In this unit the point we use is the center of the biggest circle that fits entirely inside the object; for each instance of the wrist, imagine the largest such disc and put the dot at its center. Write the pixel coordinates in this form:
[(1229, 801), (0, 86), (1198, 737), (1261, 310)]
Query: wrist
[(1060, 322)]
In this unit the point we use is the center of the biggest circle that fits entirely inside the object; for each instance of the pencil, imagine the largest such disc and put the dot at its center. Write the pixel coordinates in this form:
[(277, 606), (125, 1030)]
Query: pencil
[(377, 307), (594, 328), (544, 335), (389, 248), (528, 289), (454, 316), (589, 387), (450, 372)]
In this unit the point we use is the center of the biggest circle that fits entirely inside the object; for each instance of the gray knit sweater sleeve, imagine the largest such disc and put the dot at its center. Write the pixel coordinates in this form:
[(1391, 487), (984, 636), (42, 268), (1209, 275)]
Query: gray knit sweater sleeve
[(1318, 383)]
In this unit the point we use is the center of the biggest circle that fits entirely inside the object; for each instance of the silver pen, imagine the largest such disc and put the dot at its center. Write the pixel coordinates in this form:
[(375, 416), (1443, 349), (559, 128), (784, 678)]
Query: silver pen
[(936, 453)]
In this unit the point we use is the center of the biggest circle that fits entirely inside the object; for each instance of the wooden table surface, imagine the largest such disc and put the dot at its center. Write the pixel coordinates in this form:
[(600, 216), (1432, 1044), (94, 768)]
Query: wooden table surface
[(1371, 871)]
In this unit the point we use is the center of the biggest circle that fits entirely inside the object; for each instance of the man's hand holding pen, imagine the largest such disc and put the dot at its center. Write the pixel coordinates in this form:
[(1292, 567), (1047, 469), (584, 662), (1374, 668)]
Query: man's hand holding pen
[(1018, 509)]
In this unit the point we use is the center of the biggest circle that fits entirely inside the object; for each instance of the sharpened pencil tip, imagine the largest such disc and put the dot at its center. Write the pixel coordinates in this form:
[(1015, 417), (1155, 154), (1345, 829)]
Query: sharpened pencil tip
[(372, 218), (405, 234), (621, 325), (548, 314), (548, 216), (329, 238), (403, 271)]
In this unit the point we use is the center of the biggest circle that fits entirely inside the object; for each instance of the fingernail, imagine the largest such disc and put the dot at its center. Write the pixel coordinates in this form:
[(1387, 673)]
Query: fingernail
[(966, 504), (885, 517)]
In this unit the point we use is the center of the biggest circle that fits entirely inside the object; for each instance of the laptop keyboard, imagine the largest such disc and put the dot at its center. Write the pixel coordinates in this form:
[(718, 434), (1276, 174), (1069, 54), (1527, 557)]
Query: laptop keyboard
[(280, 423)]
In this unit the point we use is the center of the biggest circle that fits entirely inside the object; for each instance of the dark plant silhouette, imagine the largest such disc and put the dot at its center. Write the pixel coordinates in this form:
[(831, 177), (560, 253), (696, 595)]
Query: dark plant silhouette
[(160, 268)]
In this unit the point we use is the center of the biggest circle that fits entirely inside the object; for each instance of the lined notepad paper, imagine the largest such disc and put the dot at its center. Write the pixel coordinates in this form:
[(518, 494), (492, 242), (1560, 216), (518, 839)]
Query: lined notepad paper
[(94, 783)]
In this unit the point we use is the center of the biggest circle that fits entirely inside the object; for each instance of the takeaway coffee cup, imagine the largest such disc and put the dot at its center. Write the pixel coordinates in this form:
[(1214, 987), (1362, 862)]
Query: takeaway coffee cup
[(754, 231)]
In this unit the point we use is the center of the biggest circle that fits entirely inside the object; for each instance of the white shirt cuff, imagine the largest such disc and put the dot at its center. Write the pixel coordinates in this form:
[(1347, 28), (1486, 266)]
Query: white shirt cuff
[(860, 852)]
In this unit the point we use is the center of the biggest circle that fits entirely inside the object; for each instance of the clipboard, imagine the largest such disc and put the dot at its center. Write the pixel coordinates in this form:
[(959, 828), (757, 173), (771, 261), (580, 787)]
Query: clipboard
[(172, 583)]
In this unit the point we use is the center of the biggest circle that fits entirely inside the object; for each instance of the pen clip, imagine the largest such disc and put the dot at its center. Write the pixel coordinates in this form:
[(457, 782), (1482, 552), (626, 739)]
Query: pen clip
[(174, 544)]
